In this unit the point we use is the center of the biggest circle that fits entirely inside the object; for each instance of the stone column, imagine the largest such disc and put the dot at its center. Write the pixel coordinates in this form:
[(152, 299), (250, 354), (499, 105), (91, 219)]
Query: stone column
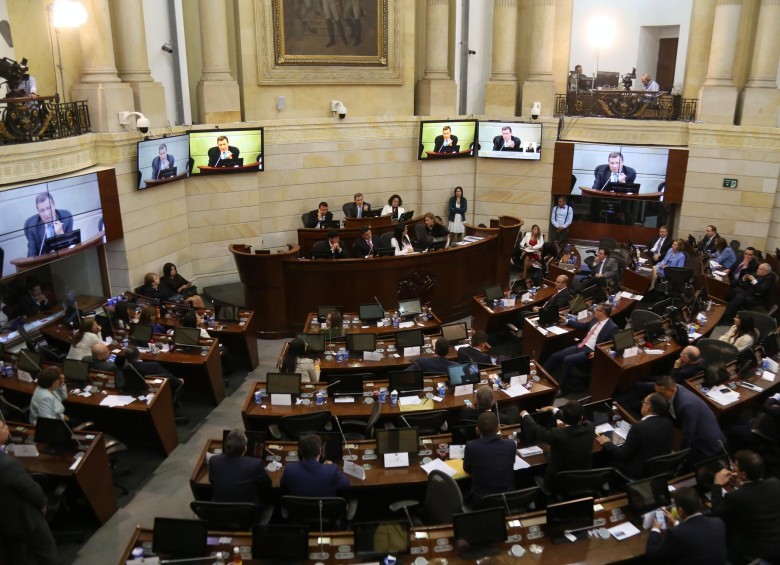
[(539, 86), (132, 61), (100, 86), (718, 95), (218, 94), (501, 89), (436, 92), (761, 98)]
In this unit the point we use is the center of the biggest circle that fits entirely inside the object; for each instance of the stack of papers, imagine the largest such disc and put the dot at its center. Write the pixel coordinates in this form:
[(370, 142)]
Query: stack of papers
[(723, 395), (114, 400), (530, 451)]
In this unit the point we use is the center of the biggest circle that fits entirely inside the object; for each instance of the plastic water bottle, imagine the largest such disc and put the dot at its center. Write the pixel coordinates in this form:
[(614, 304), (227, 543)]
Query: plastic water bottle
[(394, 398), (320, 398), (442, 390), (395, 321), (258, 397)]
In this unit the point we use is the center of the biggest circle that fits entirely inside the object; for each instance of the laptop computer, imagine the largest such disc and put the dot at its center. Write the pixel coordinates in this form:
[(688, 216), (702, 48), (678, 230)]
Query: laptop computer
[(239, 162), (406, 382), (76, 372), (357, 343), (396, 440), (409, 338), (371, 312), (226, 313), (623, 339), (177, 538), (570, 515), (495, 292), (577, 305), (467, 373), (280, 543), (283, 383), (548, 317), (477, 531), (141, 334), (406, 216), (187, 338), (455, 333), (409, 308), (29, 361), (648, 494), (514, 367), (315, 342)]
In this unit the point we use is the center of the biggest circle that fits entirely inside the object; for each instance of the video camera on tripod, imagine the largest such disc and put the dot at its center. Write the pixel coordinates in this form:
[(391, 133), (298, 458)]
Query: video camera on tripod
[(14, 72)]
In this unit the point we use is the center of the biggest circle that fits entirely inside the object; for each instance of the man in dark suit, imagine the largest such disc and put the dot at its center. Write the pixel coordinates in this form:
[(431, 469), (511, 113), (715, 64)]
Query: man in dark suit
[(321, 214), (23, 528), (148, 368), (98, 361), (222, 151), (364, 246), (660, 245), (489, 460), (694, 540), (506, 141), (710, 237), (747, 266), (484, 401), (235, 478), (561, 297), (162, 161), (688, 364), (752, 291), (309, 477), (477, 352), (47, 223), (750, 510), (649, 437), (358, 207), (613, 171), (571, 446), (700, 429), (446, 139), (438, 363), (604, 272), (332, 245), (600, 329)]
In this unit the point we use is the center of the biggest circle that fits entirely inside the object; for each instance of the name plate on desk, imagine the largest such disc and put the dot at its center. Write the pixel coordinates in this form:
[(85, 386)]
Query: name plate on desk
[(372, 356), (412, 351), (354, 470), (630, 352), (462, 390), (281, 399), (396, 460)]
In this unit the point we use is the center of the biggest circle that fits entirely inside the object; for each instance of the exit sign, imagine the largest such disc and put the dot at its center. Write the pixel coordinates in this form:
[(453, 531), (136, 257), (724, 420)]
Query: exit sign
[(729, 183)]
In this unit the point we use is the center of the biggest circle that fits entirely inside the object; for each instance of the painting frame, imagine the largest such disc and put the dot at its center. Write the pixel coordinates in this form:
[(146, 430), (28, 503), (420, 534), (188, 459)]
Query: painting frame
[(277, 65)]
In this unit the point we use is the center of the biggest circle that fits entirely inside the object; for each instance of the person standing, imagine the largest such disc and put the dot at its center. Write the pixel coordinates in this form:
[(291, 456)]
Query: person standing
[(560, 220), (489, 460), (457, 212)]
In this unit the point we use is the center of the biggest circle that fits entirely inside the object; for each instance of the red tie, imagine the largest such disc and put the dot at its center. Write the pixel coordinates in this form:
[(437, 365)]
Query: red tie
[(590, 335)]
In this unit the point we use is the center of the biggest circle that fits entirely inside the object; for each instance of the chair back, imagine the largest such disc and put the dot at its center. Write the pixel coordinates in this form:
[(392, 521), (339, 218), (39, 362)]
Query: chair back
[(765, 325), (464, 432), (385, 239), (295, 426), (345, 208), (608, 243), (442, 499), (640, 317), (307, 509), (421, 233), (678, 277), (665, 464), (428, 423), (716, 352), (515, 502), (228, 516), (304, 217), (583, 483)]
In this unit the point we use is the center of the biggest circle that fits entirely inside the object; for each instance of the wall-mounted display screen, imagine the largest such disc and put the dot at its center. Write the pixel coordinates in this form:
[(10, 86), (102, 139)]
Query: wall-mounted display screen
[(509, 140), (161, 161), (226, 151), (447, 139)]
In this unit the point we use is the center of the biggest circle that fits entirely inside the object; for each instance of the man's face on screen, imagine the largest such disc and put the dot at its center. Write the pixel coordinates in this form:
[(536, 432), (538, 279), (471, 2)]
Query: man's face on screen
[(163, 154), (446, 133), (615, 164), (46, 210), (223, 145)]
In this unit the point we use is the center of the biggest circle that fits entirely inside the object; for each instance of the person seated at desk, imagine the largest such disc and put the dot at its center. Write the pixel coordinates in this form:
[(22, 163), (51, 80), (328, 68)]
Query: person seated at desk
[(571, 446), (321, 214), (148, 317), (765, 425), (309, 477), (749, 509), (648, 84), (47, 400), (528, 250), (600, 330), (748, 266), (707, 243), (83, 340), (437, 364), (688, 364), (506, 141), (33, 301), (23, 528), (295, 361), (489, 459), (742, 334), (604, 272), (191, 319), (222, 151), (124, 315), (177, 284), (99, 361), (235, 478), (477, 351), (561, 298), (484, 403), (153, 368), (660, 245), (332, 327), (675, 257), (724, 255), (49, 222), (649, 437), (446, 139), (400, 240), (152, 288), (333, 245), (162, 162), (358, 208), (613, 171), (752, 291), (393, 207), (694, 539), (365, 245)]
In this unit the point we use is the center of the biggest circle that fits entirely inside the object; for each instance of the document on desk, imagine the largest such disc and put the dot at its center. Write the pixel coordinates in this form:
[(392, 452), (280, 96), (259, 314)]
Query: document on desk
[(557, 330), (530, 451), (723, 395), (623, 531), (457, 451), (768, 376), (654, 351), (406, 324), (409, 400), (23, 450), (631, 295), (515, 391), (114, 400), (604, 428), (520, 463), (438, 465)]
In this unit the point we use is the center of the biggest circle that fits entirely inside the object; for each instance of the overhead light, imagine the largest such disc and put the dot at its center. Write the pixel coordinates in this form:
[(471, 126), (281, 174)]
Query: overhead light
[(67, 14)]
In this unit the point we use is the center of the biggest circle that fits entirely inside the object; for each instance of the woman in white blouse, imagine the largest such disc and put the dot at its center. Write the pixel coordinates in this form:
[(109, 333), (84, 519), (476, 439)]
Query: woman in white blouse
[(742, 334), (531, 246), (48, 396), (87, 336), (295, 361), (400, 241), (393, 207)]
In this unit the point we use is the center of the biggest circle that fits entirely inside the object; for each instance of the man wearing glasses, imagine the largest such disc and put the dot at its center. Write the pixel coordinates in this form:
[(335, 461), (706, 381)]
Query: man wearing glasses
[(752, 291)]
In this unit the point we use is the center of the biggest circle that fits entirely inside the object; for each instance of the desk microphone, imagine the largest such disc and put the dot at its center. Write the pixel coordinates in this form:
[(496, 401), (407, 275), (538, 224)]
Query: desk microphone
[(380, 305), (326, 387), (518, 536), (349, 457), (726, 453), (424, 451), (321, 556), (23, 352), (43, 241)]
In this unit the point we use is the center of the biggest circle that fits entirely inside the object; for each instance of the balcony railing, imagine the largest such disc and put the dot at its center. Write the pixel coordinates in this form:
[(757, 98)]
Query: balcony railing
[(23, 120), (626, 105)]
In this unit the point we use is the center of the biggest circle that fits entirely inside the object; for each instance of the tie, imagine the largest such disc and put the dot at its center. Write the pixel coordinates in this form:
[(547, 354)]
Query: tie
[(49, 230), (590, 335), (224, 155), (370, 247), (659, 244), (360, 212), (601, 266), (614, 177)]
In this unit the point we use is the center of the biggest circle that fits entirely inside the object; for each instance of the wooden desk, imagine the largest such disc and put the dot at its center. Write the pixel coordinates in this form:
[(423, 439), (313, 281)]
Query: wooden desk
[(588, 191), (717, 287), (492, 318), (206, 170), (376, 222), (349, 325), (636, 281), (92, 474), (307, 237), (24, 263), (746, 396), (149, 183)]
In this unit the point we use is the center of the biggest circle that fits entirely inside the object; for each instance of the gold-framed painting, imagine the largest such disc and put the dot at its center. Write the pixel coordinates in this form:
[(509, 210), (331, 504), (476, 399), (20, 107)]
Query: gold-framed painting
[(328, 41)]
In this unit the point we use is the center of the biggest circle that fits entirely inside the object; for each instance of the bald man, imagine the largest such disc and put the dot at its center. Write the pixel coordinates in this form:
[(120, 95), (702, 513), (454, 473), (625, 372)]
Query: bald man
[(99, 361), (688, 364)]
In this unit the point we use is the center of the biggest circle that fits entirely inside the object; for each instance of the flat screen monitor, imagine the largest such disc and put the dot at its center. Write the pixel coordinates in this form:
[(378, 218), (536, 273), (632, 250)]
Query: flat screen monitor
[(315, 342), (410, 307), (406, 381), (166, 158), (599, 412), (346, 384), (455, 333), (186, 337), (396, 440), (661, 306), (495, 292), (467, 373), (53, 432), (29, 361), (323, 311), (447, 139), (332, 446), (622, 187), (283, 383), (384, 251), (361, 342), (375, 539), (509, 140), (409, 338), (548, 317), (577, 305), (477, 531), (75, 371), (255, 443), (62, 241), (106, 327), (280, 542), (244, 144), (371, 312), (653, 329), (648, 494), (179, 538), (135, 383), (515, 366), (623, 340), (141, 334), (226, 313), (569, 515), (596, 293)]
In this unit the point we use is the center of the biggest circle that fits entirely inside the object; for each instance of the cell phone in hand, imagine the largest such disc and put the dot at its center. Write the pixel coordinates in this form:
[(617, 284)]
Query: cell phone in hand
[(660, 518), (112, 358)]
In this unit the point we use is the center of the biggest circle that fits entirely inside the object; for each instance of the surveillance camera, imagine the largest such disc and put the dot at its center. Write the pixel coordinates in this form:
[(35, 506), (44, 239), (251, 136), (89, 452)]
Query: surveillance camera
[(341, 110), (534, 114), (167, 48), (536, 110), (142, 124)]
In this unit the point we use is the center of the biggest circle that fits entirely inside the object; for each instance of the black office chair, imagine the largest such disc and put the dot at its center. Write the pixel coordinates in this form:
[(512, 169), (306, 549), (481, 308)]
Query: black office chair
[(230, 516), (56, 492), (385, 238), (640, 317), (716, 352), (304, 218), (464, 432), (514, 502), (356, 430), (427, 423), (668, 464), (765, 324), (347, 205), (678, 284), (422, 239), (590, 482), (331, 513), (292, 427), (442, 499)]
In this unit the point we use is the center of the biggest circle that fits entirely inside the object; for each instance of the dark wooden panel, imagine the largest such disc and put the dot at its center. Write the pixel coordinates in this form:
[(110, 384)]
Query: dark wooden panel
[(675, 176), (109, 200), (562, 165)]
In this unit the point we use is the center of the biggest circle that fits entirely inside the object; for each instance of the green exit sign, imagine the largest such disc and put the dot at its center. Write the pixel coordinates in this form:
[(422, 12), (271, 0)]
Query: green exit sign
[(729, 183)]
